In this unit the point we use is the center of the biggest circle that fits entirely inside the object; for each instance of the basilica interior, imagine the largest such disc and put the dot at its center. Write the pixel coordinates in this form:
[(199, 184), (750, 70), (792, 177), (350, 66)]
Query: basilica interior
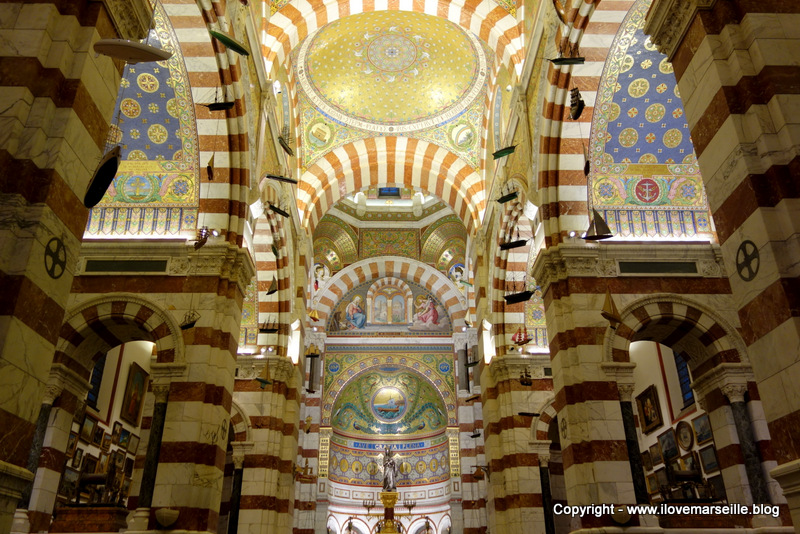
[(418, 266)]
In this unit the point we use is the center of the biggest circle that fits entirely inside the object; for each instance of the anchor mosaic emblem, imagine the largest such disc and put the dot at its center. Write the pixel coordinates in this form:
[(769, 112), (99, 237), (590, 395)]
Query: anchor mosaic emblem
[(747, 260), (55, 258)]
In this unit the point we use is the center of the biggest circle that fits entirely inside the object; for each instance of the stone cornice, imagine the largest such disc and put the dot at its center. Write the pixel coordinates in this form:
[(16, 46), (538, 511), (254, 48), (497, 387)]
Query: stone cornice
[(510, 366), (730, 378), (281, 368), (63, 378), (668, 21), (131, 18)]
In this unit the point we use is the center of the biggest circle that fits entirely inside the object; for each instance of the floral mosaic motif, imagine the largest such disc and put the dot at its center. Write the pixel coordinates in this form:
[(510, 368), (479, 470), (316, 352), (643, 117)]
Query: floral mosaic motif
[(645, 179), (156, 187), (389, 242)]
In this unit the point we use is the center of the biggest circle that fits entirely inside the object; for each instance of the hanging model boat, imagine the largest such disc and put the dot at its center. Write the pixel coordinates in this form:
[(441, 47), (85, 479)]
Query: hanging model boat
[(521, 337), (103, 176), (504, 151), (229, 42), (131, 51)]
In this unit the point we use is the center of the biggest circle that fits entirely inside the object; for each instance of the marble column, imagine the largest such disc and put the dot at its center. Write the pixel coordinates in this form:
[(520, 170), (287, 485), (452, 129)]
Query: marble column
[(51, 393), (463, 370), (632, 442), (542, 450), (161, 393), (236, 491), (747, 442)]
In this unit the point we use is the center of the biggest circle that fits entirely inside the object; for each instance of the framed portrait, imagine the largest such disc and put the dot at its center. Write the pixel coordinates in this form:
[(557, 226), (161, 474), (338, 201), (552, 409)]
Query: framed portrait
[(124, 438), (69, 483), (87, 428), (80, 412), (126, 487), (718, 488), (652, 484), (118, 457), (702, 428), (647, 461), (133, 400), (116, 432), (133, 444), (71, 444), (661, 477), (685, 435), (689, 462), (102, 463), (649, 409), (97, 439), (89, 463), (76, 458), (128, 467), (655, 454), (669, 445), (106, 442), (708, 459)]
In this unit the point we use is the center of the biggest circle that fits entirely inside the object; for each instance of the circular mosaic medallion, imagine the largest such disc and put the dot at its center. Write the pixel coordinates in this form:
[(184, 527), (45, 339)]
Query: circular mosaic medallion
[(421, 466), (672, 138), (665, 66), (655, 112), (388, 404), (319, 134), (434, 465), (130, 108), (147, 82), (613, 112), (405, 468), (462, 135), (649, 45), (677, 91), (638, 88), (180, 187), (648, 158), (392, 52), (628, 137), (137, 155), (444, 367), (157, 133), (647, 190), (344, 465), (172, 107), (357, 468), (137, 188), (627, 63), (372, 468)]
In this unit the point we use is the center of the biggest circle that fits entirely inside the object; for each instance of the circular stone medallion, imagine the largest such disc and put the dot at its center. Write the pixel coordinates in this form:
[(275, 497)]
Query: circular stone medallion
[(388, 404)]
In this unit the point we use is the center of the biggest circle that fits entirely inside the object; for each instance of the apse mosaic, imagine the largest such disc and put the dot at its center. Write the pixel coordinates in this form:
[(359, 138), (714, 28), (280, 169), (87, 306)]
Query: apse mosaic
[(394, 390), (389, 400), (391, 73), (156, 187), (389, 307), (360, 463), (645, 177)]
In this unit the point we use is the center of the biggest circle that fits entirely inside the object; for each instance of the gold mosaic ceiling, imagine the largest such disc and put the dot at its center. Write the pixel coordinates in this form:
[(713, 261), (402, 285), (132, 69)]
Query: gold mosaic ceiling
[(392, 71)]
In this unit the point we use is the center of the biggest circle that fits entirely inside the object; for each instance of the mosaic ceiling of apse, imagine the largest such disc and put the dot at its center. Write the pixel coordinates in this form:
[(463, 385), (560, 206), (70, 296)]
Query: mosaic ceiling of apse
[(344, 363), (156, 188), (391, 73), (645, 178)]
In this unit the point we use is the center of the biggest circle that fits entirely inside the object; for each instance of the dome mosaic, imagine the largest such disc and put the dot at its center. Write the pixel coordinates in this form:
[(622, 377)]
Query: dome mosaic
[(392, 72)]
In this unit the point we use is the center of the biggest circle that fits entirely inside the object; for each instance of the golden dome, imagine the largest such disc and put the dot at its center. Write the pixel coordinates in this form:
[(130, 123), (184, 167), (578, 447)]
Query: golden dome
[(392, 71)]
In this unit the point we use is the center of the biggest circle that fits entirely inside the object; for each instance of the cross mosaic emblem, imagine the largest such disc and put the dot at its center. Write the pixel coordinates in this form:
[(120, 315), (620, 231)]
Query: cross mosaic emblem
[(747, 260), (55, 258)]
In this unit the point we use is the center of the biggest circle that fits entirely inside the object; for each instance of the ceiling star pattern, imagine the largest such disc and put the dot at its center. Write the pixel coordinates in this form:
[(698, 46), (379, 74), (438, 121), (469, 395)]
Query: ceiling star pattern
[(156, 188), (645, 177)]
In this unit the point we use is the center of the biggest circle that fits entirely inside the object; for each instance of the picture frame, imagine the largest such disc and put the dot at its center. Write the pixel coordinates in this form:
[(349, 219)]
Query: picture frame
[(702, 429), (80, 412), (708, 459), (655, 454), (652, 484), (689, 462), (97, 439), (718, 488), (649, 409), (87, 428), (72, 443), (116, 432), (69, 483), (685, 435), (133, 399), (669, 445), (128, 467), (647, 461), (118, 457), (106, 445), (126, 487), (90, 462), (124, 439), (661, 477), (102, 464), (76, 458), (133, 444)]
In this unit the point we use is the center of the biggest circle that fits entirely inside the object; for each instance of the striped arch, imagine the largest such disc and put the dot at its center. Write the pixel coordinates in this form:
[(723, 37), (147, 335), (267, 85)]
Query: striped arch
[(287, 28), (211, 67), (541, 424), (562, 182), (240, 422), (391, 161), (394, 266), (680, 323), (389, 281), (98, 325)]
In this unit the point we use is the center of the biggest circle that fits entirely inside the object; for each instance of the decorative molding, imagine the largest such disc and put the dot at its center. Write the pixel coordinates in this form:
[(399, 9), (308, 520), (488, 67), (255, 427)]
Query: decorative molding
[(240, 450), (734, 392), (51, 393), (510, 366), (161, 392), (281, 368), (622, 374), (61, 378), (541, 448), (669, 20), (730, 378), (131, 18)]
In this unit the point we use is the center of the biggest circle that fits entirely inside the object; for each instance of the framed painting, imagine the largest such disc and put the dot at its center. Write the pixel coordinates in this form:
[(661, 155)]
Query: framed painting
[(655, 454), (76, 458), (708, 459), (649, 409), (702, 428), (87, 428), (128, 466), (97, 439), (116, 432), (118, 457), (661, 477), (102, 464), (684, 435), (89, 463), (689, 462), (647, 461), (124, 439), (69, 483), (106, 442), (133, 444), (133, 400), (669, 445), (652, 484), (718, 488), (71, 444)]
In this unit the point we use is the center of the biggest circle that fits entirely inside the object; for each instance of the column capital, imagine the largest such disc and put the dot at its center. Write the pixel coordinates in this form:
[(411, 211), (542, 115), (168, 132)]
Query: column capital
[(622, 374), (61, 378), (131, 18), (161, 391), (541, 448), (51, 393), (734, 392), (730, 378), (240, 449)]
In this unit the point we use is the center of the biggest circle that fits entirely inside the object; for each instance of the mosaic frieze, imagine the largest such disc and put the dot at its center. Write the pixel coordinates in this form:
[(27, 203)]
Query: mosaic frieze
[(389, 242)]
